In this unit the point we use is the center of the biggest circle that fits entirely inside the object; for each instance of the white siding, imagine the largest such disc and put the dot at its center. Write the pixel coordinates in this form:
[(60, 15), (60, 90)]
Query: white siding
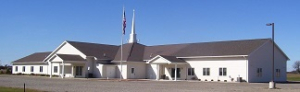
[(28, 69), (139, 70), (262, 58), (235, 68), (69, 49), (124, 71)]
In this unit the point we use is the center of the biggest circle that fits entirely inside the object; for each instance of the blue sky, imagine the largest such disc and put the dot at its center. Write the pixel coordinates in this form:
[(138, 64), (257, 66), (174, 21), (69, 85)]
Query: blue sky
[(28, 26)]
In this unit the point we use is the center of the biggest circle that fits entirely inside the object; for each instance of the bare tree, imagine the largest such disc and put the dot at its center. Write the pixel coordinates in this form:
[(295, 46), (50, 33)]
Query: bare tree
[(297, 66)]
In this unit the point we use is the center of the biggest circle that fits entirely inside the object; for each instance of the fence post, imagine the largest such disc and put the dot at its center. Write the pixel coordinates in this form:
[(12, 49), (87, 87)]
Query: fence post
[(24, 87)]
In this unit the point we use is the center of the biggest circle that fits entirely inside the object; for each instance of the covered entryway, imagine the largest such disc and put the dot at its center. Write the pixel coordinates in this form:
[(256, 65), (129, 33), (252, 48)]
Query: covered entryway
[(166, 67), (67, 66)]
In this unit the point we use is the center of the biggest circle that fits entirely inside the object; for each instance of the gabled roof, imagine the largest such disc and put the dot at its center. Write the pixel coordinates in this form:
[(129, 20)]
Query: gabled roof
[(237, 47), (165, 59), (67, 57), (100, 51), (35, 57), (131, 52)]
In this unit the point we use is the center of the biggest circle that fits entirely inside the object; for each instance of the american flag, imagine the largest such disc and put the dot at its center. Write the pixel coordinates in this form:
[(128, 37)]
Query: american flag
[(124, 21)]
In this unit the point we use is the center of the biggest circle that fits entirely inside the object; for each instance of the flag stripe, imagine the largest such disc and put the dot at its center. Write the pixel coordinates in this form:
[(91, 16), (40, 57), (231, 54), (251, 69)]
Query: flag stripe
[(124, 22)]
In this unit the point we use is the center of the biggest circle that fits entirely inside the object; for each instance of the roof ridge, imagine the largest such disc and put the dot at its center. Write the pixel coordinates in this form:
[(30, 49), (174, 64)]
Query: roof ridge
[(89, 43), (211, 42)]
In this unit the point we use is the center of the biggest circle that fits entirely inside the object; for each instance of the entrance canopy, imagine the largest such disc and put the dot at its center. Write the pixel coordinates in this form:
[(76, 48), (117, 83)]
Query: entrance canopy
[(162, 59)]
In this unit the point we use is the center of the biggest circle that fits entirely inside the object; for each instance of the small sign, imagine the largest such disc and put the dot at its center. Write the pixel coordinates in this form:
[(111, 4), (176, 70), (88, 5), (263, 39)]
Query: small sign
[(88, 68)]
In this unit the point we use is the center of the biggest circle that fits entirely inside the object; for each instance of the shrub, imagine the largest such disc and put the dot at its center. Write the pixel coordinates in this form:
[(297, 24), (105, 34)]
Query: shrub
[(19, 73), (31, 73), (8, 71)]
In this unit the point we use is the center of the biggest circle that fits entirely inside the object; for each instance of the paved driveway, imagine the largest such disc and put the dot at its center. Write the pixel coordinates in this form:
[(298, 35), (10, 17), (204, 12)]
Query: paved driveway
[(94, 85)]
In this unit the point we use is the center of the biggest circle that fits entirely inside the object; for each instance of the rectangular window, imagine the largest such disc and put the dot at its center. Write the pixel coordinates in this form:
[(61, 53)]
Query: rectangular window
[(41, 68), (191, 71), (206, 71), (16, 68), (55, 69), (78, 70), (132, 70), (222, 71), (259, 72), (23, 69), (277, 72), (31, 69)]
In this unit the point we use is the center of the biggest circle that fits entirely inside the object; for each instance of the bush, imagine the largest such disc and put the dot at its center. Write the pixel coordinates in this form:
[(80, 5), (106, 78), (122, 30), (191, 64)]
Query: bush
[(31, 73), (19, 73), (8, 71)]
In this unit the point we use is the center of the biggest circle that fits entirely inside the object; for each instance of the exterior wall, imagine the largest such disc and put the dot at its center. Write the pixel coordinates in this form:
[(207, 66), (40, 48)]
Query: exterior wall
[(139, 70), (262, 58), (236, 67), (124, 71), (28, 70), (166, 69), (69, 49), (98, 71), (152, 71)]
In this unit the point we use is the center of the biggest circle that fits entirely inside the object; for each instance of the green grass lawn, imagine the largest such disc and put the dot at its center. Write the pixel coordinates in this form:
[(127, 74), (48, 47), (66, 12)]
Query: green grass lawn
[(293, 77), (10, 89)]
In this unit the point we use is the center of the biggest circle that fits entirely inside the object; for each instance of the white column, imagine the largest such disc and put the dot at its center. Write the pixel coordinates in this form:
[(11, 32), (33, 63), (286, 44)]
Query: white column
[(72, 70), (175, 72), (63, 70), (50, 69), (157, 71)]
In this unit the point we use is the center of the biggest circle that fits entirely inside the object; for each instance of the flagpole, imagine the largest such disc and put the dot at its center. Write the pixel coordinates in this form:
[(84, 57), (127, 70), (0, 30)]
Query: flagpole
[(123, 33), (121, 57)]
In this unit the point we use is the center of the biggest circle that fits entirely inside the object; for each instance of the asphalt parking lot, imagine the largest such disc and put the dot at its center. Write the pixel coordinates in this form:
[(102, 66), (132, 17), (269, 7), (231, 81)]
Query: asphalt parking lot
[(96, 85)]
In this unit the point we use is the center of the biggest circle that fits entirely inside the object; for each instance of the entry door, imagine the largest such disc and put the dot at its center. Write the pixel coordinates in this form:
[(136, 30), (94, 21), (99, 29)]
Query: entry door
[(173, 73), (111, 72), (78, 70), (132, 74)]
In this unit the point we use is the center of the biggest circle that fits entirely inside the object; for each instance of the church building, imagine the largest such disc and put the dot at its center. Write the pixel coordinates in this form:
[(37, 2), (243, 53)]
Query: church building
[(225, 61)]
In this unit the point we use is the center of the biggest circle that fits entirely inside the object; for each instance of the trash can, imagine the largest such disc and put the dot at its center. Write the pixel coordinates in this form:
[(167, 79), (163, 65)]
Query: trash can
[(90, 75)]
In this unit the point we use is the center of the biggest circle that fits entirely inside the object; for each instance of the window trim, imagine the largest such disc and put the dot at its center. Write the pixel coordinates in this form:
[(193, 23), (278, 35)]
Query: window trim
[(191, 71), (259, 72), (277, 72), (132, 70), (206, 72), (222, 71), (16, 68), (23, 68), (31, 68), (41, 69), (55, 69)]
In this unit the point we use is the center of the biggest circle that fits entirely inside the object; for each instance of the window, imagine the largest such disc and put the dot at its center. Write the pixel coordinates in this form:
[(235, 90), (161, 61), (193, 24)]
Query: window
[(41, 68), (206, 71), (23, 69), (55, 69), (277, 72), (132, 70), (16, 68), (78, 70), (31, 69), (259, 72), (191, 71), (222, 71)]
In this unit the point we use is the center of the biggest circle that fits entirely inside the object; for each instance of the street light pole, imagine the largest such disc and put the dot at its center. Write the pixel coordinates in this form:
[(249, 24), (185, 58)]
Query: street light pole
[(272, 82)]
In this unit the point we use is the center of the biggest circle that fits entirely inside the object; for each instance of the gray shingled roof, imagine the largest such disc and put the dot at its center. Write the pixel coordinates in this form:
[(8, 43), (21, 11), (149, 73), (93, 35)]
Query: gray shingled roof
[(140, 52), (238, 47), (67, 57), (131, 52), (100, 51), (35, 57)]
